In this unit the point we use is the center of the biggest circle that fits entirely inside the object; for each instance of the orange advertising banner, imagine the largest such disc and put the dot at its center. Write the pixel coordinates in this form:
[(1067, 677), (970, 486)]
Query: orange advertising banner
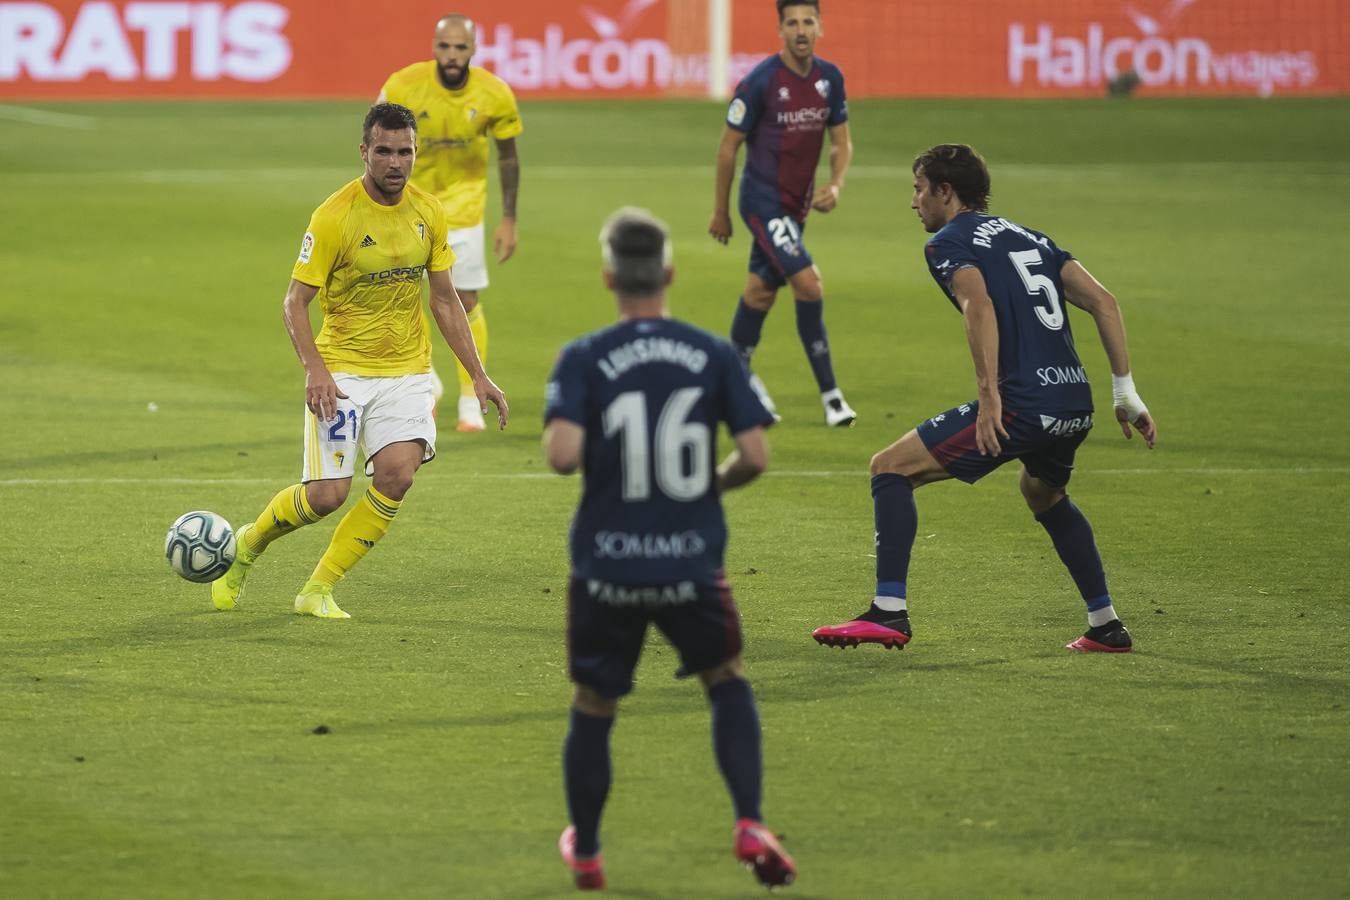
[(650, 48), (1051, 48)]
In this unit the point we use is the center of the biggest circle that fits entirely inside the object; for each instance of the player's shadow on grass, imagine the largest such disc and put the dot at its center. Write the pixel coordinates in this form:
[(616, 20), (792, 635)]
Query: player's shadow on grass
[(611, 890), (181, 628), (159, 453), (1292, 681)]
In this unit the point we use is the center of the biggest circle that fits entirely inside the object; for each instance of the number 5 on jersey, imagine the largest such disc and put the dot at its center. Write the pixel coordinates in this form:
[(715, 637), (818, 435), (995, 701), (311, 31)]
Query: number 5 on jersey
[(1023, 260)]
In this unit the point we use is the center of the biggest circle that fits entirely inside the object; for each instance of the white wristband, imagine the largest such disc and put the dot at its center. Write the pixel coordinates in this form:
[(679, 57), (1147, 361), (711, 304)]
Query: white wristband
[(1124, 396)]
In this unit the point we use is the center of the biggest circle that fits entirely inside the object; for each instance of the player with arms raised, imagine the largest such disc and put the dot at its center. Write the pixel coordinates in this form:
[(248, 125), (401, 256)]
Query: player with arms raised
[(1034, 406), (781, 112), (636, 407), (458, 107), (367, 381)]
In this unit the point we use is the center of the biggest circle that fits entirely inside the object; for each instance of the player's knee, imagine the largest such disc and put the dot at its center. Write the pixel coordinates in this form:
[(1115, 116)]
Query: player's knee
[(888, 461), (760, 299), (726, 671), (326, 497), (1044, 503), (593, 703), (1040, 496), (394, 485), (808, 286), (469, 299)]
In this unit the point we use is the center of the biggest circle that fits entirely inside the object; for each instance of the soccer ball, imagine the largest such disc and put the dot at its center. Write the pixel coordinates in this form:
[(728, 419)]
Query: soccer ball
[(200, 546)]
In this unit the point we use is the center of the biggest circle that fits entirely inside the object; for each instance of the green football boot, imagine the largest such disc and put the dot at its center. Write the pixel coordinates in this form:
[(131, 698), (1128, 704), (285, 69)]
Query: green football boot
[(228, 588)]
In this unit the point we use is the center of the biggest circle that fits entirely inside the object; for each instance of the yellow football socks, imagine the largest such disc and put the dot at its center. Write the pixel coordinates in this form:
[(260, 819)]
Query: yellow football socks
[(363, 525), (477, 325), (288, 511)]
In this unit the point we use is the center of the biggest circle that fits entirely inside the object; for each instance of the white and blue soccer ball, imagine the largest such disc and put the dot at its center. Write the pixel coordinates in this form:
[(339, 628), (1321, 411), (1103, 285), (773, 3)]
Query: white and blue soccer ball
[(200, 546)]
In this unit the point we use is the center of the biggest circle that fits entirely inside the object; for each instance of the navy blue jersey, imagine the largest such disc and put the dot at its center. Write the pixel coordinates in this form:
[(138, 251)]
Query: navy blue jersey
[(1038, 367), (784, 116), (650, 394)]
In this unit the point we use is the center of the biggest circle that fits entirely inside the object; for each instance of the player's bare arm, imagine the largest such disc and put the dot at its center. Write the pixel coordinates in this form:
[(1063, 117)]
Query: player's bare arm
[(1087, 293), (563, 443), (508, 168), (746, 462), (841, 155), (977, 309), (730, 146), (448, 311), (321, 391)]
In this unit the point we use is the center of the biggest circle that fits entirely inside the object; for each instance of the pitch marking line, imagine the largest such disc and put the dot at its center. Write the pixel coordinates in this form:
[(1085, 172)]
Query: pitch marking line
[(536, 476), (32, 116), (564, 171)]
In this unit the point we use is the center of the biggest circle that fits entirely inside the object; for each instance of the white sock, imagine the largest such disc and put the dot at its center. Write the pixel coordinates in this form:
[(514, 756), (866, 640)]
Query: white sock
[(1101, 616), (893, 604)]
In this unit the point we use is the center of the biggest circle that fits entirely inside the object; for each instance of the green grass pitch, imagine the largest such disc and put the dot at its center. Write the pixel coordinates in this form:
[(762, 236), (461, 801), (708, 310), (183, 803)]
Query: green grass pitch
[(151, 747)]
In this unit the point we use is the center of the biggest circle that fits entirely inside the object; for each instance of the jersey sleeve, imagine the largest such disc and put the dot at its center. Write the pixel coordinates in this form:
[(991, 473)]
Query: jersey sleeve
[(746, 106), (565, 395), (1059, 256), (506, 121), (390, 90), (442, 257), (945, 257), (838, 101), (741, 407), (318, 250)]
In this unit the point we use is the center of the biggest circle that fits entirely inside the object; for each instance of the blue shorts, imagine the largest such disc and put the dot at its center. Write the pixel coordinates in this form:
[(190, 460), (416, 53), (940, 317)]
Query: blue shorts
[(778, 252), (1044, 442), (607, 624)]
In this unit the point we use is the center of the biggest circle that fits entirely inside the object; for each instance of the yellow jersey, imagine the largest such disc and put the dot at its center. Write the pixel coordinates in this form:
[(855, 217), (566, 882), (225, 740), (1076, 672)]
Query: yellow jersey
[(367, 261), (452, 133)]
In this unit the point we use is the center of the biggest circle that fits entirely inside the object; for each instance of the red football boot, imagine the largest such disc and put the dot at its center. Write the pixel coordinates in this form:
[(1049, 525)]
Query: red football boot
[(759, 850), (589, 874), (876, 626), (1112, 637)]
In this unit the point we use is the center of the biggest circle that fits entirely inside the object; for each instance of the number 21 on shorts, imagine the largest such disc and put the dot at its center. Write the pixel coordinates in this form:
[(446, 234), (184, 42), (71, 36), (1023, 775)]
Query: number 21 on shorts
[(340, 423), (785, 234)]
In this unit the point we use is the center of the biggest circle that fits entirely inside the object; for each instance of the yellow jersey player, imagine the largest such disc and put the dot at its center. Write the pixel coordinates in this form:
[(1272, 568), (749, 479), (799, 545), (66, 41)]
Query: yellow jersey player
[(457, 107), (367, 374)]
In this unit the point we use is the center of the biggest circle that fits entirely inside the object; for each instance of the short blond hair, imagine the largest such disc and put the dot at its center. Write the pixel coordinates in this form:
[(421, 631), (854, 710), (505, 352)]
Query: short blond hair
[(636, 249)]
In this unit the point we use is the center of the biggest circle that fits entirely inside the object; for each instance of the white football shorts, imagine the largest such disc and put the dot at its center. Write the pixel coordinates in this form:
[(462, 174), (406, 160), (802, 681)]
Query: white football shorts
[(377, 412), (469, 272)]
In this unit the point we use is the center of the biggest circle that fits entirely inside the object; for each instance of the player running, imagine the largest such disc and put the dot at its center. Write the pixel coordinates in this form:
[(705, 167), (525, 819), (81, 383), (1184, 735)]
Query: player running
[(781, 112), (367, 381), (457, 107), (1034, 406), (636, 407)]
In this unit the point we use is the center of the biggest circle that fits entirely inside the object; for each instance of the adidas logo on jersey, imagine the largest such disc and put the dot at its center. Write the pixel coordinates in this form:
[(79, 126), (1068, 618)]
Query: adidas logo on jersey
[(368, 242)]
